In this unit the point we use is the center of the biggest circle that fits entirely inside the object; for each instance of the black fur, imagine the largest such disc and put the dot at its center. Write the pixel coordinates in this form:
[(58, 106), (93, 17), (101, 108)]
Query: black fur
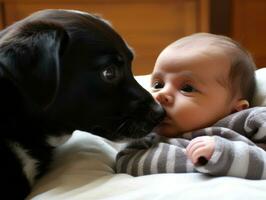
[(61, 71)]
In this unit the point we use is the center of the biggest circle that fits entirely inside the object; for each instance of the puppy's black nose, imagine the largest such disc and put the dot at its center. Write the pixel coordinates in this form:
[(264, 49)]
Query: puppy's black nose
[(157, 113)]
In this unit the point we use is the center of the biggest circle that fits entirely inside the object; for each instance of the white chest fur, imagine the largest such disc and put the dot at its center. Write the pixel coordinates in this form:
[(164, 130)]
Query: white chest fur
[(29, 164)]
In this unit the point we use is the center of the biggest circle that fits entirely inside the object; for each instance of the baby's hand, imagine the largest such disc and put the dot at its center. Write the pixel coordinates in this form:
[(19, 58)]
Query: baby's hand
[(200, 148)]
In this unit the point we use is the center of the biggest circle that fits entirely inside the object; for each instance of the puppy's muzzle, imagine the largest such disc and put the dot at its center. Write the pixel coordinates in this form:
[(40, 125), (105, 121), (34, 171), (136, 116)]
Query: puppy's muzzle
[(153, 114), (156, 113)]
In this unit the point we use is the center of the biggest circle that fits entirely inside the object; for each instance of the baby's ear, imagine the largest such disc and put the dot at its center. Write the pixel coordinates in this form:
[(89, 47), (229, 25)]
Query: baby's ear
[(241, 105)]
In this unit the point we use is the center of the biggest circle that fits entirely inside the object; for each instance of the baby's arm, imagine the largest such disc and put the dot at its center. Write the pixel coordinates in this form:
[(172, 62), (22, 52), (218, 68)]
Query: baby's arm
[(233, 154), (152, 156), (227, 158)]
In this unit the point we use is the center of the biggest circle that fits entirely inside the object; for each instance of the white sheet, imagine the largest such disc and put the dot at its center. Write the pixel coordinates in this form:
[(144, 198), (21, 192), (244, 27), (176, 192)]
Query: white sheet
[(83, 169)]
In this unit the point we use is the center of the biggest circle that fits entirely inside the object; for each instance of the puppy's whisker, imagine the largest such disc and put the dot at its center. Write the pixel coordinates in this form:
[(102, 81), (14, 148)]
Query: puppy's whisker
[(122, 126)]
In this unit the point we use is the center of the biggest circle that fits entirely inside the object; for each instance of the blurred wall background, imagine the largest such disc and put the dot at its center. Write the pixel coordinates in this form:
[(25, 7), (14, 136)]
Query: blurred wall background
[(150, 25)]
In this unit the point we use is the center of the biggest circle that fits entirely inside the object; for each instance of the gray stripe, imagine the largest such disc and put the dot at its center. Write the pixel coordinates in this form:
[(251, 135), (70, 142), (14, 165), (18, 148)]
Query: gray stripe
[(256, 164), (124, 157), (254, 121), (180, 161), (237, 122), (225, 160), (161, 165), (148, 160), (179, 142), (198, 133), (231, 135), (135, 163)]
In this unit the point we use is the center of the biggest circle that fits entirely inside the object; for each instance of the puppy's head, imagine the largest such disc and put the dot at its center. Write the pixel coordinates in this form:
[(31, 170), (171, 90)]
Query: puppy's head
[(76, 71)]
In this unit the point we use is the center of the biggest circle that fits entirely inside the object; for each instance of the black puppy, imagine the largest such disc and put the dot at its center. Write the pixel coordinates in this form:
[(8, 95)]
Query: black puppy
[(63, 70)]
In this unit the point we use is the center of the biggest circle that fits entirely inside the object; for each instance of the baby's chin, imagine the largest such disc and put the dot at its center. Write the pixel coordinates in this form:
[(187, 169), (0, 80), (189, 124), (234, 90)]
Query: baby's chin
[(166, 131)]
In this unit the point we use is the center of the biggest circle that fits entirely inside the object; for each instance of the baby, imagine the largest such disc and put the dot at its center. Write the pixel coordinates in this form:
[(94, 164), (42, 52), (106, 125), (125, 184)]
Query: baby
[(199, 80)]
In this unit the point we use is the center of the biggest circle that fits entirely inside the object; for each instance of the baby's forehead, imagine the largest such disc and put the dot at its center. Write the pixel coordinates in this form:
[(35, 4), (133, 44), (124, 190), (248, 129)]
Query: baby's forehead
[(201, 47), (196, 52), (204, 43)]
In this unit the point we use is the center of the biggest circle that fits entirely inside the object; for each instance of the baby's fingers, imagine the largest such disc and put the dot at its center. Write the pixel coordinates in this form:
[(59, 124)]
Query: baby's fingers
[(192, 147), (200, 149), (200, 155)]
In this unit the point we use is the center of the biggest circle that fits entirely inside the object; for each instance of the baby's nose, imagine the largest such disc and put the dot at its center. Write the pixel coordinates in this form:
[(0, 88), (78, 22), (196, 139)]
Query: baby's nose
[(164, 98)]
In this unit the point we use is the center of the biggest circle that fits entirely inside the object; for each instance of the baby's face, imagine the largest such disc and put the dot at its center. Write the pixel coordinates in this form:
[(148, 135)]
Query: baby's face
[(192, 86)]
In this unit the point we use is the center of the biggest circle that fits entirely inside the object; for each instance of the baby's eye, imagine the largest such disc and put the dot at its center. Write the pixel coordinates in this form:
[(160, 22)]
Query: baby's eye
[(188, 88), (157, 85)]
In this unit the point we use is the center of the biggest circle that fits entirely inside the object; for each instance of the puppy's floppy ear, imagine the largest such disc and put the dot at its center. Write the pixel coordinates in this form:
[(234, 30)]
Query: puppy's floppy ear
[(11, 101), (30, 57)]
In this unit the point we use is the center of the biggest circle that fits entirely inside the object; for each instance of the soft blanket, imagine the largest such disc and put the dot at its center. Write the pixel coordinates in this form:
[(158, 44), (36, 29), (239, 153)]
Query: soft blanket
[(240, 149)]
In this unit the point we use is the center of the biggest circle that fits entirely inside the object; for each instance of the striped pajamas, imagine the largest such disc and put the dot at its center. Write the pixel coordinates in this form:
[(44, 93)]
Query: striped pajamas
[(240, 141)]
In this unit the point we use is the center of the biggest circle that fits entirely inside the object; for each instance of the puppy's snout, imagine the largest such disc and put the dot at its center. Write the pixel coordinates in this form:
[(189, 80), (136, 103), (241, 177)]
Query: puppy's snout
[(157, 113)]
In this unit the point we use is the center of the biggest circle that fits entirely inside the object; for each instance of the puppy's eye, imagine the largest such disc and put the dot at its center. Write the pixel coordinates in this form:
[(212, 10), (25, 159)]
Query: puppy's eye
[(110, 74), (187, 88), (157, 85)]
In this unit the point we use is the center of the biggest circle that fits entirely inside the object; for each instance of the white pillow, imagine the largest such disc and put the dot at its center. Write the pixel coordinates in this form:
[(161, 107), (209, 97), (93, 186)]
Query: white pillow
[(260, 91)]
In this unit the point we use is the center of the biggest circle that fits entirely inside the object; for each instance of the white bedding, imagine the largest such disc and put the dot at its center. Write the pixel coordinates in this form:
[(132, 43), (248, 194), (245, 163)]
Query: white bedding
[(83, 169)]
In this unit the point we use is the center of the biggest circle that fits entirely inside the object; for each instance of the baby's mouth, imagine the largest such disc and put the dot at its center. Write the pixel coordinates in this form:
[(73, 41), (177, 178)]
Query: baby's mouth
[(164, 123)]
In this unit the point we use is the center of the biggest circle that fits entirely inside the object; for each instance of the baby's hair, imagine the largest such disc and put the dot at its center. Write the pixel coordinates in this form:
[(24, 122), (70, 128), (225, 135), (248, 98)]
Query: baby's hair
[(242, 71)]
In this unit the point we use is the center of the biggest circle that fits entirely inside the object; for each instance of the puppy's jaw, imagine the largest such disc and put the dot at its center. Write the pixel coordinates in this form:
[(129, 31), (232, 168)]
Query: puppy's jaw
[(128, 128)]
